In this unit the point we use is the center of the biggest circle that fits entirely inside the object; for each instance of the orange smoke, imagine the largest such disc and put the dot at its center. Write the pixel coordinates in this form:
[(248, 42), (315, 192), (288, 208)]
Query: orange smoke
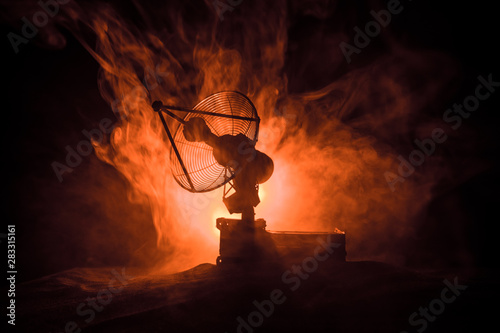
[(330, 147)]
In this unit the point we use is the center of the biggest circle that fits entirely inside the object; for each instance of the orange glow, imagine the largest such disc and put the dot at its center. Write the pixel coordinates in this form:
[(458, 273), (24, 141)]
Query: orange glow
[(328, 171), (262, 192)]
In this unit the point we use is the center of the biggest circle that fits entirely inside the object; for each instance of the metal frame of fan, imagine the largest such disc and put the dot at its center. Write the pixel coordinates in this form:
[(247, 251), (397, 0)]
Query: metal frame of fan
[(194, 167)]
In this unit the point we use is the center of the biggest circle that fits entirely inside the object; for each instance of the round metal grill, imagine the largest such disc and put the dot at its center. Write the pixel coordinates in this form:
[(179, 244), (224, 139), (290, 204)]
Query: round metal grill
[(203, 173)]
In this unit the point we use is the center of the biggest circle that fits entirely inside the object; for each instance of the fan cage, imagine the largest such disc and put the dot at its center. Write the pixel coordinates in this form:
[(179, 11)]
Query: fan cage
[(204, 173)]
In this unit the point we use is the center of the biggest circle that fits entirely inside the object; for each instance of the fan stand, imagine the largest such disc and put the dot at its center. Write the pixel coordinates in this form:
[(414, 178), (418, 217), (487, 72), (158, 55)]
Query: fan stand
[(248, 212)]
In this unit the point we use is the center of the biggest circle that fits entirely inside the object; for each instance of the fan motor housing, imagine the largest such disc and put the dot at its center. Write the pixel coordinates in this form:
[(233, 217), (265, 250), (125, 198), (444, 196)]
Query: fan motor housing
[(241, 243)]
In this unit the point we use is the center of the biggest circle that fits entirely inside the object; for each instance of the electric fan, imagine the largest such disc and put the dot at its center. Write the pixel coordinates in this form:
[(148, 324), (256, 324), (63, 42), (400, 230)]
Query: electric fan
[(214, 146)]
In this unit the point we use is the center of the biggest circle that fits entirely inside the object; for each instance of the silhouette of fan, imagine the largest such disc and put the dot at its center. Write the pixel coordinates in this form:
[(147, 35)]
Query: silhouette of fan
[(214, 146)]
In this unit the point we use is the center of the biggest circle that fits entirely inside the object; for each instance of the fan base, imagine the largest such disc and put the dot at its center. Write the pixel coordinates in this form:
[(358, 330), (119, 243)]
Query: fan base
[(243, 243)]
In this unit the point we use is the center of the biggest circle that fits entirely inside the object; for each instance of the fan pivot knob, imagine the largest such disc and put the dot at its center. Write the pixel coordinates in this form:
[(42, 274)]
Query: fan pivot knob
[(157, 105)]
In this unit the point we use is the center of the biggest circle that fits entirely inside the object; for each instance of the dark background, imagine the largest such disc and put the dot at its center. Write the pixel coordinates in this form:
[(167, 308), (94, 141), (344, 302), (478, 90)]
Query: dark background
[(51, 95)]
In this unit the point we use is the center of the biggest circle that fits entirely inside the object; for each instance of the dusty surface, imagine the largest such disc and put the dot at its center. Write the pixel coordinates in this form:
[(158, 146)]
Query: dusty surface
[(347, 297)]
